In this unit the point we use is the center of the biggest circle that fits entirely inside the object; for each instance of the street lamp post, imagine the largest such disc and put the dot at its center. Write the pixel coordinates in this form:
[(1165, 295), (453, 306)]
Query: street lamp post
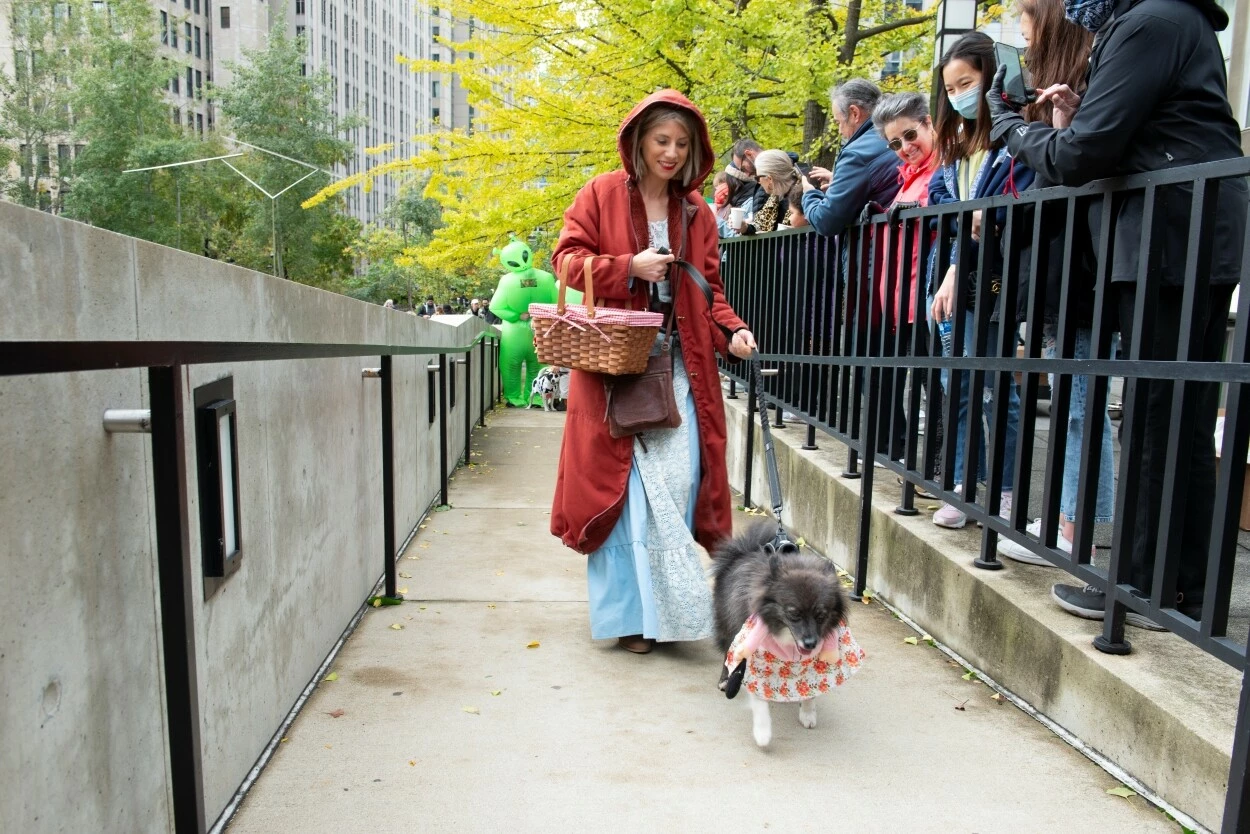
[(954, 19)]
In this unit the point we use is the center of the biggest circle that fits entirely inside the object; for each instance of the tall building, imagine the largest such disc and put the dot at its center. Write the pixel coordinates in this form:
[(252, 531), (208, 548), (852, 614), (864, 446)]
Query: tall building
[(357, 43)]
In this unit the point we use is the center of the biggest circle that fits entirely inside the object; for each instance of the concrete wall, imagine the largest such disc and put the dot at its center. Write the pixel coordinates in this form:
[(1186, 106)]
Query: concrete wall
[(82, 735), (1164, 713)]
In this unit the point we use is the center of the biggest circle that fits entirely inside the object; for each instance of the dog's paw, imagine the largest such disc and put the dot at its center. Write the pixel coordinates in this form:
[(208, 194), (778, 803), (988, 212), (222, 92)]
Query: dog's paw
[(807, 714), (763, 734)]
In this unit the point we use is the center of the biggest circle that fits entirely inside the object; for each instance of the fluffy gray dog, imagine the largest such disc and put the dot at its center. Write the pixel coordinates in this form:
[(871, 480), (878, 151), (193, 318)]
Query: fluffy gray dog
[(797, 596)]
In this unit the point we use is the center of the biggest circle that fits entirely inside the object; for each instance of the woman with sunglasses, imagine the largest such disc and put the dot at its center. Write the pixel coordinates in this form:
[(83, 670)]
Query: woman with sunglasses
[(903, 121), (972, 167)]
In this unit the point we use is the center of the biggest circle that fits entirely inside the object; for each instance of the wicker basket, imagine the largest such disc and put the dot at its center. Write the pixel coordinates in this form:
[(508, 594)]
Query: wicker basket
[(606, 340)]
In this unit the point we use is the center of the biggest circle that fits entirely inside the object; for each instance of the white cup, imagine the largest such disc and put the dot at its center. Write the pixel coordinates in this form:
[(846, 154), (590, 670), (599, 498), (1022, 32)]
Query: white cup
[(737, 216)]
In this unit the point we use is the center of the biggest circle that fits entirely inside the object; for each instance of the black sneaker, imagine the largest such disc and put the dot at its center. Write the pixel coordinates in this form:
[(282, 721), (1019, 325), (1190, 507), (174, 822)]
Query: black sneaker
[(1087, 602)]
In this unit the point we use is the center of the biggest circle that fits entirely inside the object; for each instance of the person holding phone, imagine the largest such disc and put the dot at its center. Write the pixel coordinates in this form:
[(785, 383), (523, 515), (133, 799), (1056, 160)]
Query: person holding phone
[(1157, 98), (1058, 57), (972, 166), (866, 170)]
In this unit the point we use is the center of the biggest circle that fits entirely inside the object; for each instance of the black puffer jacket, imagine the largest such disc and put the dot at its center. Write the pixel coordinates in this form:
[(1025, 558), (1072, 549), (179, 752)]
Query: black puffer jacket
[(1157, 98)]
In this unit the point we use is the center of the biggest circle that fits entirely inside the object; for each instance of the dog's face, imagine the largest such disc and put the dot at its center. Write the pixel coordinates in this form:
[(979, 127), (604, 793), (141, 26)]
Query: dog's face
[(801, 597)]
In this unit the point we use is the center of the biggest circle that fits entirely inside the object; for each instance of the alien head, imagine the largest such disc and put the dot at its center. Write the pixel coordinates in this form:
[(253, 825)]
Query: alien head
[(516, 256)]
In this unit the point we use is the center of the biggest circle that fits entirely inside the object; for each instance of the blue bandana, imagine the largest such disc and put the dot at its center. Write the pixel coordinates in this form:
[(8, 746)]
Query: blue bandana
[(1089, 14)]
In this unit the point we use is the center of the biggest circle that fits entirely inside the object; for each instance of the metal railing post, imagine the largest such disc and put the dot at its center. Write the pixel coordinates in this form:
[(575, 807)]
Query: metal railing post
[(865, 486), (442, 428), (173, 559), (468, 404), (388, 477)]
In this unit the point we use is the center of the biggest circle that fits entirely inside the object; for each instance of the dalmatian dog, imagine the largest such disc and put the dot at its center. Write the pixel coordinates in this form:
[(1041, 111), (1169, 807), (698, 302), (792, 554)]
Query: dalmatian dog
[(551, 386)]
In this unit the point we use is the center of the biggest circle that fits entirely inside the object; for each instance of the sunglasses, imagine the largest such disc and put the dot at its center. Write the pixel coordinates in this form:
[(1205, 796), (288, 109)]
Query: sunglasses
[(908, 136)]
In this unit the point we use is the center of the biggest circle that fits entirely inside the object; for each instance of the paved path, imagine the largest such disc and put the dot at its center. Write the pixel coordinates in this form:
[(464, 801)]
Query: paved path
[(451, 723)]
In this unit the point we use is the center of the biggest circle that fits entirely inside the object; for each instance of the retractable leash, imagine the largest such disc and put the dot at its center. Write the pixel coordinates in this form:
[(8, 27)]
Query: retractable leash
[(781, 542)]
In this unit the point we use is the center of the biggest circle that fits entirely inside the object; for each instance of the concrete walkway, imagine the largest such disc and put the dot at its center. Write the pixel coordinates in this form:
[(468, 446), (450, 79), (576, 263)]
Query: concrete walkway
[(482, 705)]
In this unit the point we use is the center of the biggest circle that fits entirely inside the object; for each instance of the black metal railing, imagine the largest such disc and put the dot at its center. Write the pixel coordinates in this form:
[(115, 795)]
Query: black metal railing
[(847, 328), (165, 361)]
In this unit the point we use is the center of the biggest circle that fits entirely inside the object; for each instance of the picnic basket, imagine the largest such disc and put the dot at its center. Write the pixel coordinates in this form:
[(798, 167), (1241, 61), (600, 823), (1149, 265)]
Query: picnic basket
[(605, 340)]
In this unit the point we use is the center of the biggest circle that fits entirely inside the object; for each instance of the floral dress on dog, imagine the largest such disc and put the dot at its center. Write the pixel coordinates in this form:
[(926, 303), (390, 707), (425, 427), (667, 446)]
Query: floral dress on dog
[(779, 672)]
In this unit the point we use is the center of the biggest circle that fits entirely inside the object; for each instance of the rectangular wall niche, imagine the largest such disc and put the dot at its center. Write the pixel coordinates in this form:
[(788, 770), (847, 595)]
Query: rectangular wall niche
[(217, 462)]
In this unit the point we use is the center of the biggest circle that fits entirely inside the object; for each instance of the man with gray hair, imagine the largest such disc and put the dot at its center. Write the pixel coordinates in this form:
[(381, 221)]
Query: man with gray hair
[(866, 169)]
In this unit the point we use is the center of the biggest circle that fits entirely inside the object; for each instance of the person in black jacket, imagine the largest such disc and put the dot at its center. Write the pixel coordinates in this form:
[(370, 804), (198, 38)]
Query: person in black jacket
[(1156, 98)]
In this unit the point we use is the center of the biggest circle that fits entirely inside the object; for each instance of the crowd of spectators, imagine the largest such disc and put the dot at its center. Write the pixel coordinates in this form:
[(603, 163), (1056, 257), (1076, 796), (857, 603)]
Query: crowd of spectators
[(461, 305), (1122, 87)]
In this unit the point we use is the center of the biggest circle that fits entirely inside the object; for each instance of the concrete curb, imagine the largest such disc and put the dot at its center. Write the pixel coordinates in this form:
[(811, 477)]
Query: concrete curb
[(1165, 713)]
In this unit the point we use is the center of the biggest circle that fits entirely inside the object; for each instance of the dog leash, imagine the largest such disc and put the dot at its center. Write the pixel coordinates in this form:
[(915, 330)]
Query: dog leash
[(781, 541)]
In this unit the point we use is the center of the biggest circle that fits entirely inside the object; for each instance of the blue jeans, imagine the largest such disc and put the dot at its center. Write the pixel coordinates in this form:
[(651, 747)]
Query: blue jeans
[(1105, 500), (961, 424)]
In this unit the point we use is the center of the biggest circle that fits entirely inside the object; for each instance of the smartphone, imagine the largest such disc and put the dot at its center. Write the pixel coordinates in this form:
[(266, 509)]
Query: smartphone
[(805, 168), (1017, 85)]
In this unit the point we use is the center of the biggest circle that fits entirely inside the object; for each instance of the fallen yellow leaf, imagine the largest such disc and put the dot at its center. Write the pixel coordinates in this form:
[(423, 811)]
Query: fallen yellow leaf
[(284, 740), (1123, 791), (533, 644), (403, 590), (333, 676), (377, 602), (412, 763), (397, 626), (490, 605), (997, 696), (405, 576), (496, 691), (471, 710), (911, 641), (498, 573)]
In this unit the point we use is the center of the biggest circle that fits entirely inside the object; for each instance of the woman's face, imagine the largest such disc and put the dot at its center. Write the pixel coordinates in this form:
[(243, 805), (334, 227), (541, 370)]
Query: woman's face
[(1026, 28), (665, 148), (767, 183), (910, 139), (960, 76)]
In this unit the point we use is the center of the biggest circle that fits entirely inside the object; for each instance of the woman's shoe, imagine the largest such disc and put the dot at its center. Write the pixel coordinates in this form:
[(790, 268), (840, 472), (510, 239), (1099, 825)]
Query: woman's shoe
[(636, 643)]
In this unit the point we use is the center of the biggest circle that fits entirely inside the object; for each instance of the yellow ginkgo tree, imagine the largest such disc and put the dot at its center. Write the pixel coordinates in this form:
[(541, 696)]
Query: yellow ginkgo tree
[(550, 82)]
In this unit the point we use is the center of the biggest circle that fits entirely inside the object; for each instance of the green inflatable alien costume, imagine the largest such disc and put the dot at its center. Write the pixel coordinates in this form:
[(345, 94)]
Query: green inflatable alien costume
[(521, 286)]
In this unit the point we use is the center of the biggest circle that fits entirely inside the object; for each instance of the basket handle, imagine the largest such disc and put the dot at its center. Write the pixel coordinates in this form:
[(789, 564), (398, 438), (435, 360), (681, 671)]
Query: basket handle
[(562, 274)]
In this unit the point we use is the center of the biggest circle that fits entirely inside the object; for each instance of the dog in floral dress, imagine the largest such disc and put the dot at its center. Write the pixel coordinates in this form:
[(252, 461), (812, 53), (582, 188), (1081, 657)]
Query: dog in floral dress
[(781, 624)]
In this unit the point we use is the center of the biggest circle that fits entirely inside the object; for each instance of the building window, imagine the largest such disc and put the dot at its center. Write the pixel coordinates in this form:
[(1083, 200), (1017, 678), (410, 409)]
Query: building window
[(199, 123), (225, 16), (434, 113), (199, 84), (434, 89), (187, 3), (165, 27), (173, 34), (434, 30), (174, 85), (62, 160), (197, 42), (196, 4), (187, 31), (301, 7), (190, 87)]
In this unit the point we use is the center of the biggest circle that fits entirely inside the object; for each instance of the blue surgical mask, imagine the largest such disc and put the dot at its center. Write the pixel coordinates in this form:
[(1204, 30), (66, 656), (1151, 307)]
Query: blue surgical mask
[(967, 102)]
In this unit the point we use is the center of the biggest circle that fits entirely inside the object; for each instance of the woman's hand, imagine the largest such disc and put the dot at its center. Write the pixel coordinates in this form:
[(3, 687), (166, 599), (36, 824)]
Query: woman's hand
[(650, 265), (1065, 102), (944, 300), (976, 225), (743, 344)]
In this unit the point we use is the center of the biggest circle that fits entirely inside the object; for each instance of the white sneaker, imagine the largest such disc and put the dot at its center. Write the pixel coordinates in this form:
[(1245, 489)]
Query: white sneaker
[(1018, 553)]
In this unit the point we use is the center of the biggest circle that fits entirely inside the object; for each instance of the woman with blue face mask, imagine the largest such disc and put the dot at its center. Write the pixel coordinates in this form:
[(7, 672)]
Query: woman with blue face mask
[(972, 167)]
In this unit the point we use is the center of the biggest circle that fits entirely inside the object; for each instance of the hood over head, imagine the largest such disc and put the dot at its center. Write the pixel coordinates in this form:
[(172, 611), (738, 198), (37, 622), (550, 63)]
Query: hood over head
[(625, 137)]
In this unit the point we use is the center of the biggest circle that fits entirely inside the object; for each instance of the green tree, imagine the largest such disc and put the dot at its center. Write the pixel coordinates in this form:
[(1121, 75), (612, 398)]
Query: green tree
[(123, 121), (273, 104), (35, 98), (550, 84)]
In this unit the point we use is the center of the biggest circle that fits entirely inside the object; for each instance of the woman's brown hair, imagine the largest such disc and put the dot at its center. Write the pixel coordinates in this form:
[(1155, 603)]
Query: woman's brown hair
[(1058, 52), (957, 137)]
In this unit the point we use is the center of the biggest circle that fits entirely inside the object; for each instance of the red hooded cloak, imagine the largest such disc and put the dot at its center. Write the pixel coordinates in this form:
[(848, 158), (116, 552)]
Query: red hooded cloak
[(608, 217)]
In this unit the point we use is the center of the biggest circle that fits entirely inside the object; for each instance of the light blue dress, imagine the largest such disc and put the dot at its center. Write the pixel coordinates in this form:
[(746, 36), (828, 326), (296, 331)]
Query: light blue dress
[(647, 577)]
